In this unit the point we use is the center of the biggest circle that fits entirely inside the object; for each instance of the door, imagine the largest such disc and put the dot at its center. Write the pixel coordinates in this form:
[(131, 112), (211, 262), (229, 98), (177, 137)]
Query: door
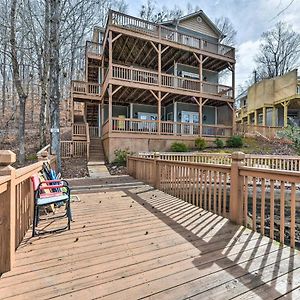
[(191, 121)]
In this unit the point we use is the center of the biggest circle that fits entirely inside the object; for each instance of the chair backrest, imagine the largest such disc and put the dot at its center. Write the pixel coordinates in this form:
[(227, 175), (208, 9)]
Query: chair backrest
[(35, 181)]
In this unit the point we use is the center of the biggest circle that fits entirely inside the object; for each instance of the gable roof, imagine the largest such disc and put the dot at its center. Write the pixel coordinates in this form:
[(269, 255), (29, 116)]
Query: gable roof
[(199, 13)]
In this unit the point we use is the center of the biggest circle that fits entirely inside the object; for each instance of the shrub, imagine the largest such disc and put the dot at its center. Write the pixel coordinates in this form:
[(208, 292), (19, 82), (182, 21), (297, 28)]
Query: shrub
[(200, 143), (291, 133), (219, 143), (235, 142), (121, 156), (179, 147)]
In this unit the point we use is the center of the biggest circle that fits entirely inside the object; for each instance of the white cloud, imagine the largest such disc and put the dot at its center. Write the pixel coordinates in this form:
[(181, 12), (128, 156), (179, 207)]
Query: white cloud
[(245, 60)]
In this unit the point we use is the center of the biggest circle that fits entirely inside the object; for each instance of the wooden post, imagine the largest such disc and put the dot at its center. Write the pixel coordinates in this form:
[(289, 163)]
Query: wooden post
[(200, 117), (264, 117), (236, 189), (159, 64), (255, 117), (8, 212), (201, 72), (285, 114), (273, 116), (159, 112), (110, 50), (156, 171), (248, 119), (110, 108)]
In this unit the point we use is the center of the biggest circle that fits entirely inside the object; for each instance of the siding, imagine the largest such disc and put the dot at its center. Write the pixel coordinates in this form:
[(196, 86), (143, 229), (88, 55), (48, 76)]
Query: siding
[(194, 25)]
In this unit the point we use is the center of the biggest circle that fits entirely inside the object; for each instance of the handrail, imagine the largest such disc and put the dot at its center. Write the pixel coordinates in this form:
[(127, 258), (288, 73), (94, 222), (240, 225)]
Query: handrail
[(261, 198), (170, 34), (140, 75)]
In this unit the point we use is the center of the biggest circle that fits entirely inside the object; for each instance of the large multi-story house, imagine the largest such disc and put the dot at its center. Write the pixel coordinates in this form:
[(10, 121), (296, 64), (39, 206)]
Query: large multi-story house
[(270, 102), (148, 84)]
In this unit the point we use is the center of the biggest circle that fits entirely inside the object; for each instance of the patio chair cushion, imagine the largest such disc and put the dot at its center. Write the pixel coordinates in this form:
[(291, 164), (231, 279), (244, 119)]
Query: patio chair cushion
[(49, 200)]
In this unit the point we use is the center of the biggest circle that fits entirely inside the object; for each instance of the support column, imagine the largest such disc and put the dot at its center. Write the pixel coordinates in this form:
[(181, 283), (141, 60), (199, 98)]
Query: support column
[(273, 116), (285, 114), (110, 50), (200, 117), (201, 71), (159, 112), (8, 212), (175, 118), (255, 117), (264, 116), (99, 120), (159, 64), (110, 108)]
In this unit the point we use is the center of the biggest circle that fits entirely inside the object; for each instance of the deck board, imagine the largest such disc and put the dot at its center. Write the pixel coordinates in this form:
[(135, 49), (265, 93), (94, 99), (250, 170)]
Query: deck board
[(140, 243)]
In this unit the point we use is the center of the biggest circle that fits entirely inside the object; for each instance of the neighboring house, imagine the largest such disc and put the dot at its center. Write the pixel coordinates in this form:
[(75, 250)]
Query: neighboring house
[(148, 85), (271, 102)]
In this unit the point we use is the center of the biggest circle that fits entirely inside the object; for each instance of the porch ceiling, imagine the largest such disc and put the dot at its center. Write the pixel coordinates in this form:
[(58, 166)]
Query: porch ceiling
[(134, 51), (126, 95)]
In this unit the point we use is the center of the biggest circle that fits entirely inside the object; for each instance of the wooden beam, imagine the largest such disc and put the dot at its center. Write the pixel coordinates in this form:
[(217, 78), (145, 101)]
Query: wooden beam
[(198, 59), (154, 46), (110, 107), (231, 107), (205, 101), (132, 48), (138, 55), (117, 89), (195, 99), (146, 56), (118, 36), (121, 52), (165, 49), (156, 97), (110, 53), (165, 95)]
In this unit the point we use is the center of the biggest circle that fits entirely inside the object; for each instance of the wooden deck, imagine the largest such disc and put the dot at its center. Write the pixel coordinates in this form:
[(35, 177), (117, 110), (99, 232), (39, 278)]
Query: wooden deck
[(136, 242)]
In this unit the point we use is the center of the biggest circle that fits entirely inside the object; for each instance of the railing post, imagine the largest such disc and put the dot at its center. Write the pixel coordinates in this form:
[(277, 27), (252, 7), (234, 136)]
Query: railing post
[(156, 172), (8, 213), (236, 188)]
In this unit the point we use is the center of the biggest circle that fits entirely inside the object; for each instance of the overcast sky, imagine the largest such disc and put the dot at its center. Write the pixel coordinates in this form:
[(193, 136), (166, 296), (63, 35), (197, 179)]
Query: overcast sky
[(249, 17)]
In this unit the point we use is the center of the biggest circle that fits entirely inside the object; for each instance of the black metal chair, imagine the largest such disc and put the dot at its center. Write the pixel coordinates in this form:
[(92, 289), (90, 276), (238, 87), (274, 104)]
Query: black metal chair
[(58, 192)]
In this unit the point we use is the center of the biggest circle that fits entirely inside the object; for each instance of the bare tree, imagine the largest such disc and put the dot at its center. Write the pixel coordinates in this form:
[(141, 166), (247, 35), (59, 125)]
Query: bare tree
[(279, 51), (228, 31), (17, 81), (54, 77)]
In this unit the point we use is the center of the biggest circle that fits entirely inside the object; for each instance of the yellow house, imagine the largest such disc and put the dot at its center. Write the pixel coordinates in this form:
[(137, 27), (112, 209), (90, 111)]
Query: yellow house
[(271, 102)]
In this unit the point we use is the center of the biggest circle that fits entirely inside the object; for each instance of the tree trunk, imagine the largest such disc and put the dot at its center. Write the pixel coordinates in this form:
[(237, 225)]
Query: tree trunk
[(17, 82), (4, 80), (44, 79), (54, 81)]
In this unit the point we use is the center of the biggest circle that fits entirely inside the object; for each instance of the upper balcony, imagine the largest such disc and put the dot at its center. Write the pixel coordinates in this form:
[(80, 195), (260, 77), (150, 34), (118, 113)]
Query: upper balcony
[(93, 50), (168, 34), (172, 83)]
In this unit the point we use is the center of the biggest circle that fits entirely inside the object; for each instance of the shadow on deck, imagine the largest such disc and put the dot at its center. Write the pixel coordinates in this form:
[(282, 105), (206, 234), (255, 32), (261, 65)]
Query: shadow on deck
[(133, 242)]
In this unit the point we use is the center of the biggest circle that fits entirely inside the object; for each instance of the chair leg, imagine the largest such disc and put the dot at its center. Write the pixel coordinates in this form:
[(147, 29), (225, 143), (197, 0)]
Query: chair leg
[(69, 214), (34, 220)]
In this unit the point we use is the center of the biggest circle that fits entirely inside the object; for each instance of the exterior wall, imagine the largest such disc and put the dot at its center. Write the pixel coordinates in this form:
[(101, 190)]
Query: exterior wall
[(224, 115), (269, 91), (191, 24), (139, 144), (208, 75)]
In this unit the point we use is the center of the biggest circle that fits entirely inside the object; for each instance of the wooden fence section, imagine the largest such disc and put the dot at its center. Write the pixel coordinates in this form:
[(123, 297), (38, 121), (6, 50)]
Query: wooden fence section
[(16, 205), (259, 198), (74, 149), (266, 131), (289, 163)]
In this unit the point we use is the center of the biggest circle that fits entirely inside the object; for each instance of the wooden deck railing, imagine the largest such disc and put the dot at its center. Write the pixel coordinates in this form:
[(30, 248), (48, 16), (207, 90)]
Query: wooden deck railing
[(266, 131), (169, 128), (93, 48), (169, 34), (94, 131), (262, 199), (16, 205), (171, 81), (86, 88), (275, 162)]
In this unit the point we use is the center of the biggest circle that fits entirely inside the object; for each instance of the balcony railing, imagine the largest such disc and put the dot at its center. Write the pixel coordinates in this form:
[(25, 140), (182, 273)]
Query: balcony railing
[(170, 81), (94, 49), (166, 33), (86, 88), (151, 127)]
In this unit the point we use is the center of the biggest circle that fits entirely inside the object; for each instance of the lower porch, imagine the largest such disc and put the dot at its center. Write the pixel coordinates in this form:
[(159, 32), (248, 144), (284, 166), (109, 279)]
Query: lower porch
[(136, 242)]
